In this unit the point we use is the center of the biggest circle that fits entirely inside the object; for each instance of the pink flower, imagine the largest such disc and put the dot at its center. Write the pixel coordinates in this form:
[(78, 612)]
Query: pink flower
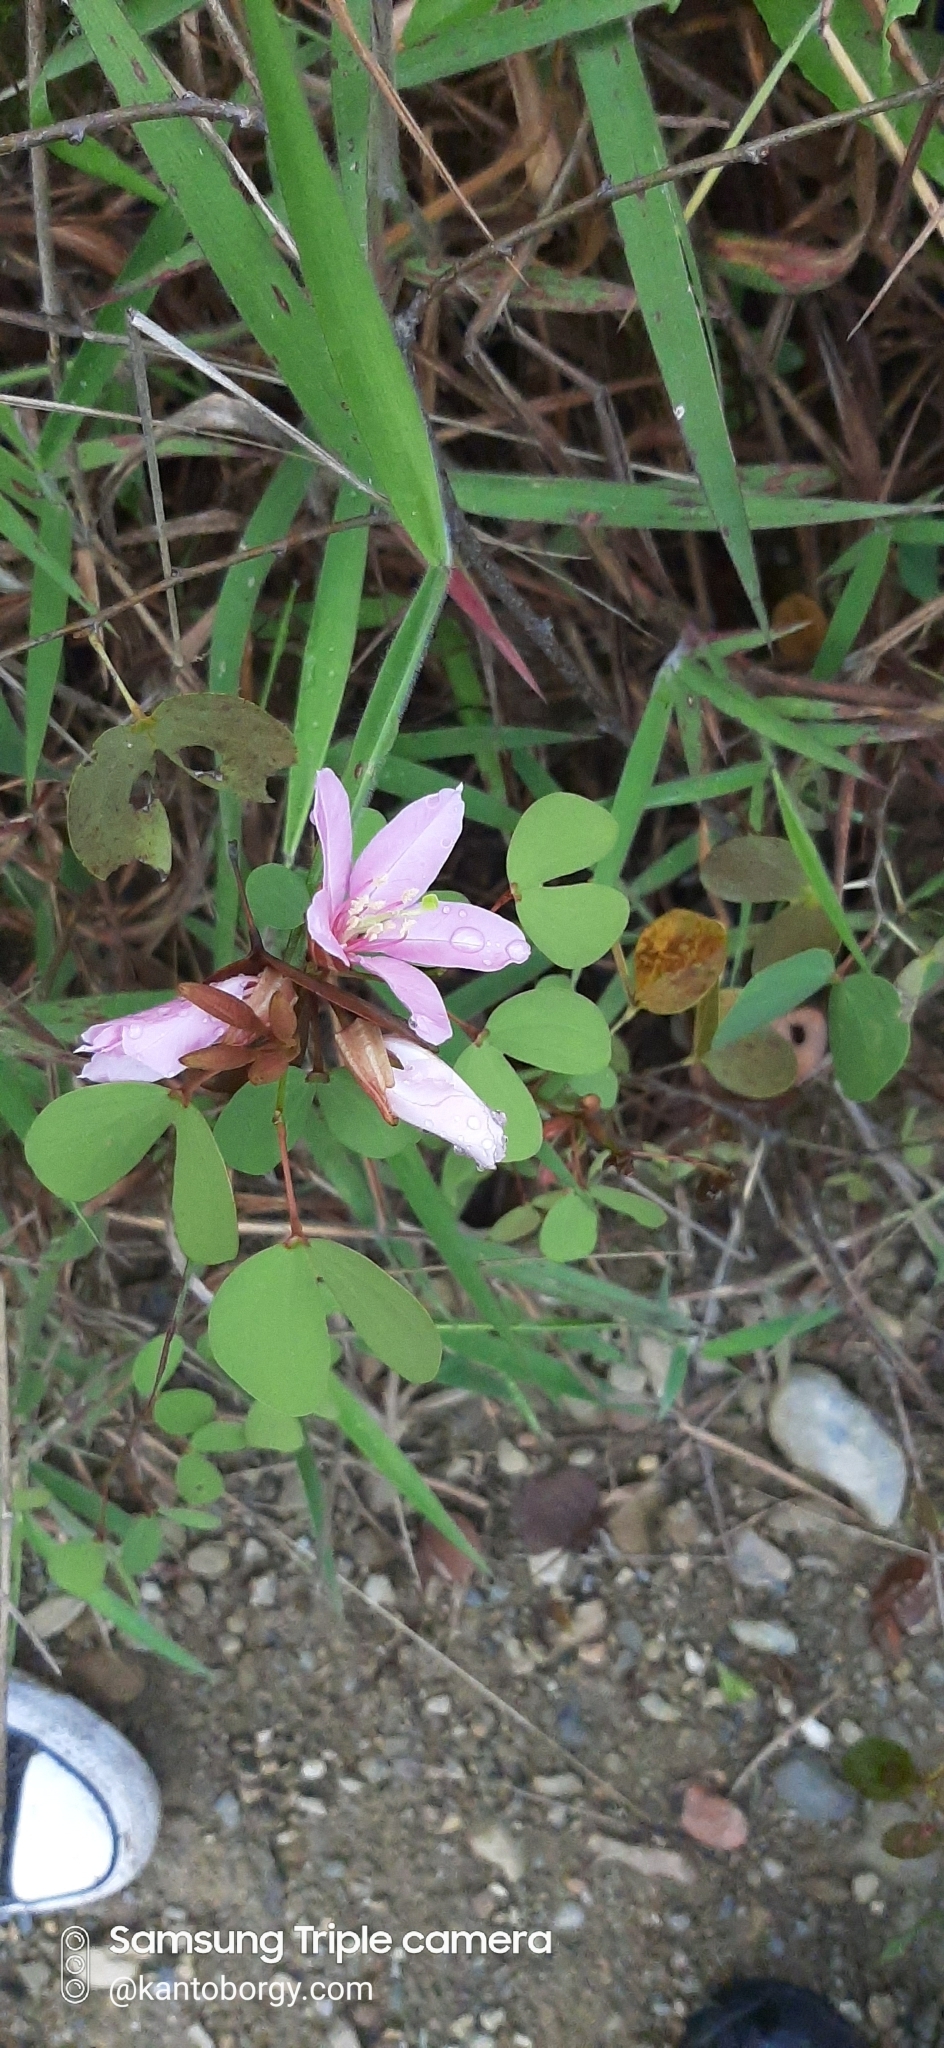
[(376, 915), (426, 1093), (150, 1044)]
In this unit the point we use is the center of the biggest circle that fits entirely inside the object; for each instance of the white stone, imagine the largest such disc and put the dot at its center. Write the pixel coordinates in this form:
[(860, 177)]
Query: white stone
[(657, 1709), (816, 1733), (105, 1970), (378, 1589), (772, 1636), (495, 1845), (649, 1862), (208, 1561), (755, 1562), (822, 1428), (865, 1885), (511, 1461)]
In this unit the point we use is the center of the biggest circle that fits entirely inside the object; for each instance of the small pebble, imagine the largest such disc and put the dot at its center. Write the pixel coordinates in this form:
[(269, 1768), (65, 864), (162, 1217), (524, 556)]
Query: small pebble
[(816, 1733), (511, 1461), (757, 1563), (439, 1705), (657, 1709), (807, 1785), (771, 1636), (191, 1597), (264, 1592), (228, 1811), (208, 1561), (820, 1426), (377, 1587), (568, 1919), (495, 1845), (565, 1785), (865, 1886)]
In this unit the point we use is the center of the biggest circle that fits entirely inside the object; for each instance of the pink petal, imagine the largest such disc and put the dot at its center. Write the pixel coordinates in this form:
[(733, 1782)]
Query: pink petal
[(116, 1066), (318, 921), (149, 1045), (331, 817), (427, 1094), (456, 935), (469, 599), (419, 995), (406, 855)]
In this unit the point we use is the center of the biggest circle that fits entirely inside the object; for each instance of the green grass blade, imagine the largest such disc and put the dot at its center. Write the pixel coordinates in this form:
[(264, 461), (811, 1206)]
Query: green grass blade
[(849, 615), (679, 506), (239, 596), (526, 26), (815, 872), (352, 95), (367, 1432), (326, 660), (94, 363), (370, 369), (662, 264), (754, 713), (230, 232), (390, 695), (48, 606), (29, 542), (639, 772)]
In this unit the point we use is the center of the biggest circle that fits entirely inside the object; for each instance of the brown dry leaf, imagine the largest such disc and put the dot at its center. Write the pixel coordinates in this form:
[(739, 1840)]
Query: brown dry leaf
[(437, 1558), (558, 1511), (677, 960), (106, 1677), (629, 1517), (713, 1821), (799, 649)]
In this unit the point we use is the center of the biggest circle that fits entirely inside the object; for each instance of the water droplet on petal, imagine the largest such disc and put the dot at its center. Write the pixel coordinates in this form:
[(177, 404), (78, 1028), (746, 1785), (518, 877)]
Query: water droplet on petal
[(468, 941), (518, 950)]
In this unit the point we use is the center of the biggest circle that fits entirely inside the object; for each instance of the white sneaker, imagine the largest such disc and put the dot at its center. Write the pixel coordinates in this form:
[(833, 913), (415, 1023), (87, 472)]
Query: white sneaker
[(83, 1809)]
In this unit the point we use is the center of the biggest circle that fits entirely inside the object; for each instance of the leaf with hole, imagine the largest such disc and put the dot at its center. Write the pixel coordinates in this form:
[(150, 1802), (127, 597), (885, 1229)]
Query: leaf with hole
[(773, 993), (556, 836), (268, 1330), (753, 869), (868, 1037), (677, 960), (569, 1230), (105, 828), (198, 1481), (488, 1072), (202, 1198), (880, 1769), (759, 1067), (84, 1142), (184, 1410), (575, 925), (388, 1319), (278, 896), (250, 744), (549, 1026)]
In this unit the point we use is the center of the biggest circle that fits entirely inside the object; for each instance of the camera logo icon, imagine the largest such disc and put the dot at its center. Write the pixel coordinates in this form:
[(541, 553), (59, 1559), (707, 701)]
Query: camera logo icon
[(74, 1965)]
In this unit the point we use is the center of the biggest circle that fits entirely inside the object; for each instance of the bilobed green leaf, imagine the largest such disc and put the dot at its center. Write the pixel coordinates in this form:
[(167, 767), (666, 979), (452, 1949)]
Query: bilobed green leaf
[(251, 745), (760, 1066), (370, 369), (573, 925), (557, 835), (244, 1130), (868, 1037), (351, 1116), (266, 1430), (268, 1331), (183, 1410), (569, 1230), (388, 1319), (488, 1072), (105, 830), (202, 1198), (278, 896), (879, 1769), (753, 869), (772, 993), (198, 1481), (219, 1437), (549, 1026), (84, 1142), (662, 263), (146, 1366)]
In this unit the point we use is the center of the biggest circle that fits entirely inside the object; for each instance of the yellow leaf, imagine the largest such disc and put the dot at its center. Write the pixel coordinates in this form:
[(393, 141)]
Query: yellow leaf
[(677, 960)]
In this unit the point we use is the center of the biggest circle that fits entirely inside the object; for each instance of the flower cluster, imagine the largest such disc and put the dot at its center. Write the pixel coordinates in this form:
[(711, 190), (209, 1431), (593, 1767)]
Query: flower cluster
[(375, 916)]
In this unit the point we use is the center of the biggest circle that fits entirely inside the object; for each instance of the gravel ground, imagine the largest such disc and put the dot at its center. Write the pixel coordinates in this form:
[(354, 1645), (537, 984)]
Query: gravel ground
[(337, 1770)]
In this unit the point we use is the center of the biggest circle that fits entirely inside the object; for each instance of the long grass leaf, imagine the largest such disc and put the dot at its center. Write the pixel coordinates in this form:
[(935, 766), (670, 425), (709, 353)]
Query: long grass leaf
[(851, 611), (366, 1431), (48, 606), (326, 659), (370, 369), (662, 264), (754, 713), (639, 772), (525, 26), (390, 695), (674, 506), (230, 232), (805, 850)]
